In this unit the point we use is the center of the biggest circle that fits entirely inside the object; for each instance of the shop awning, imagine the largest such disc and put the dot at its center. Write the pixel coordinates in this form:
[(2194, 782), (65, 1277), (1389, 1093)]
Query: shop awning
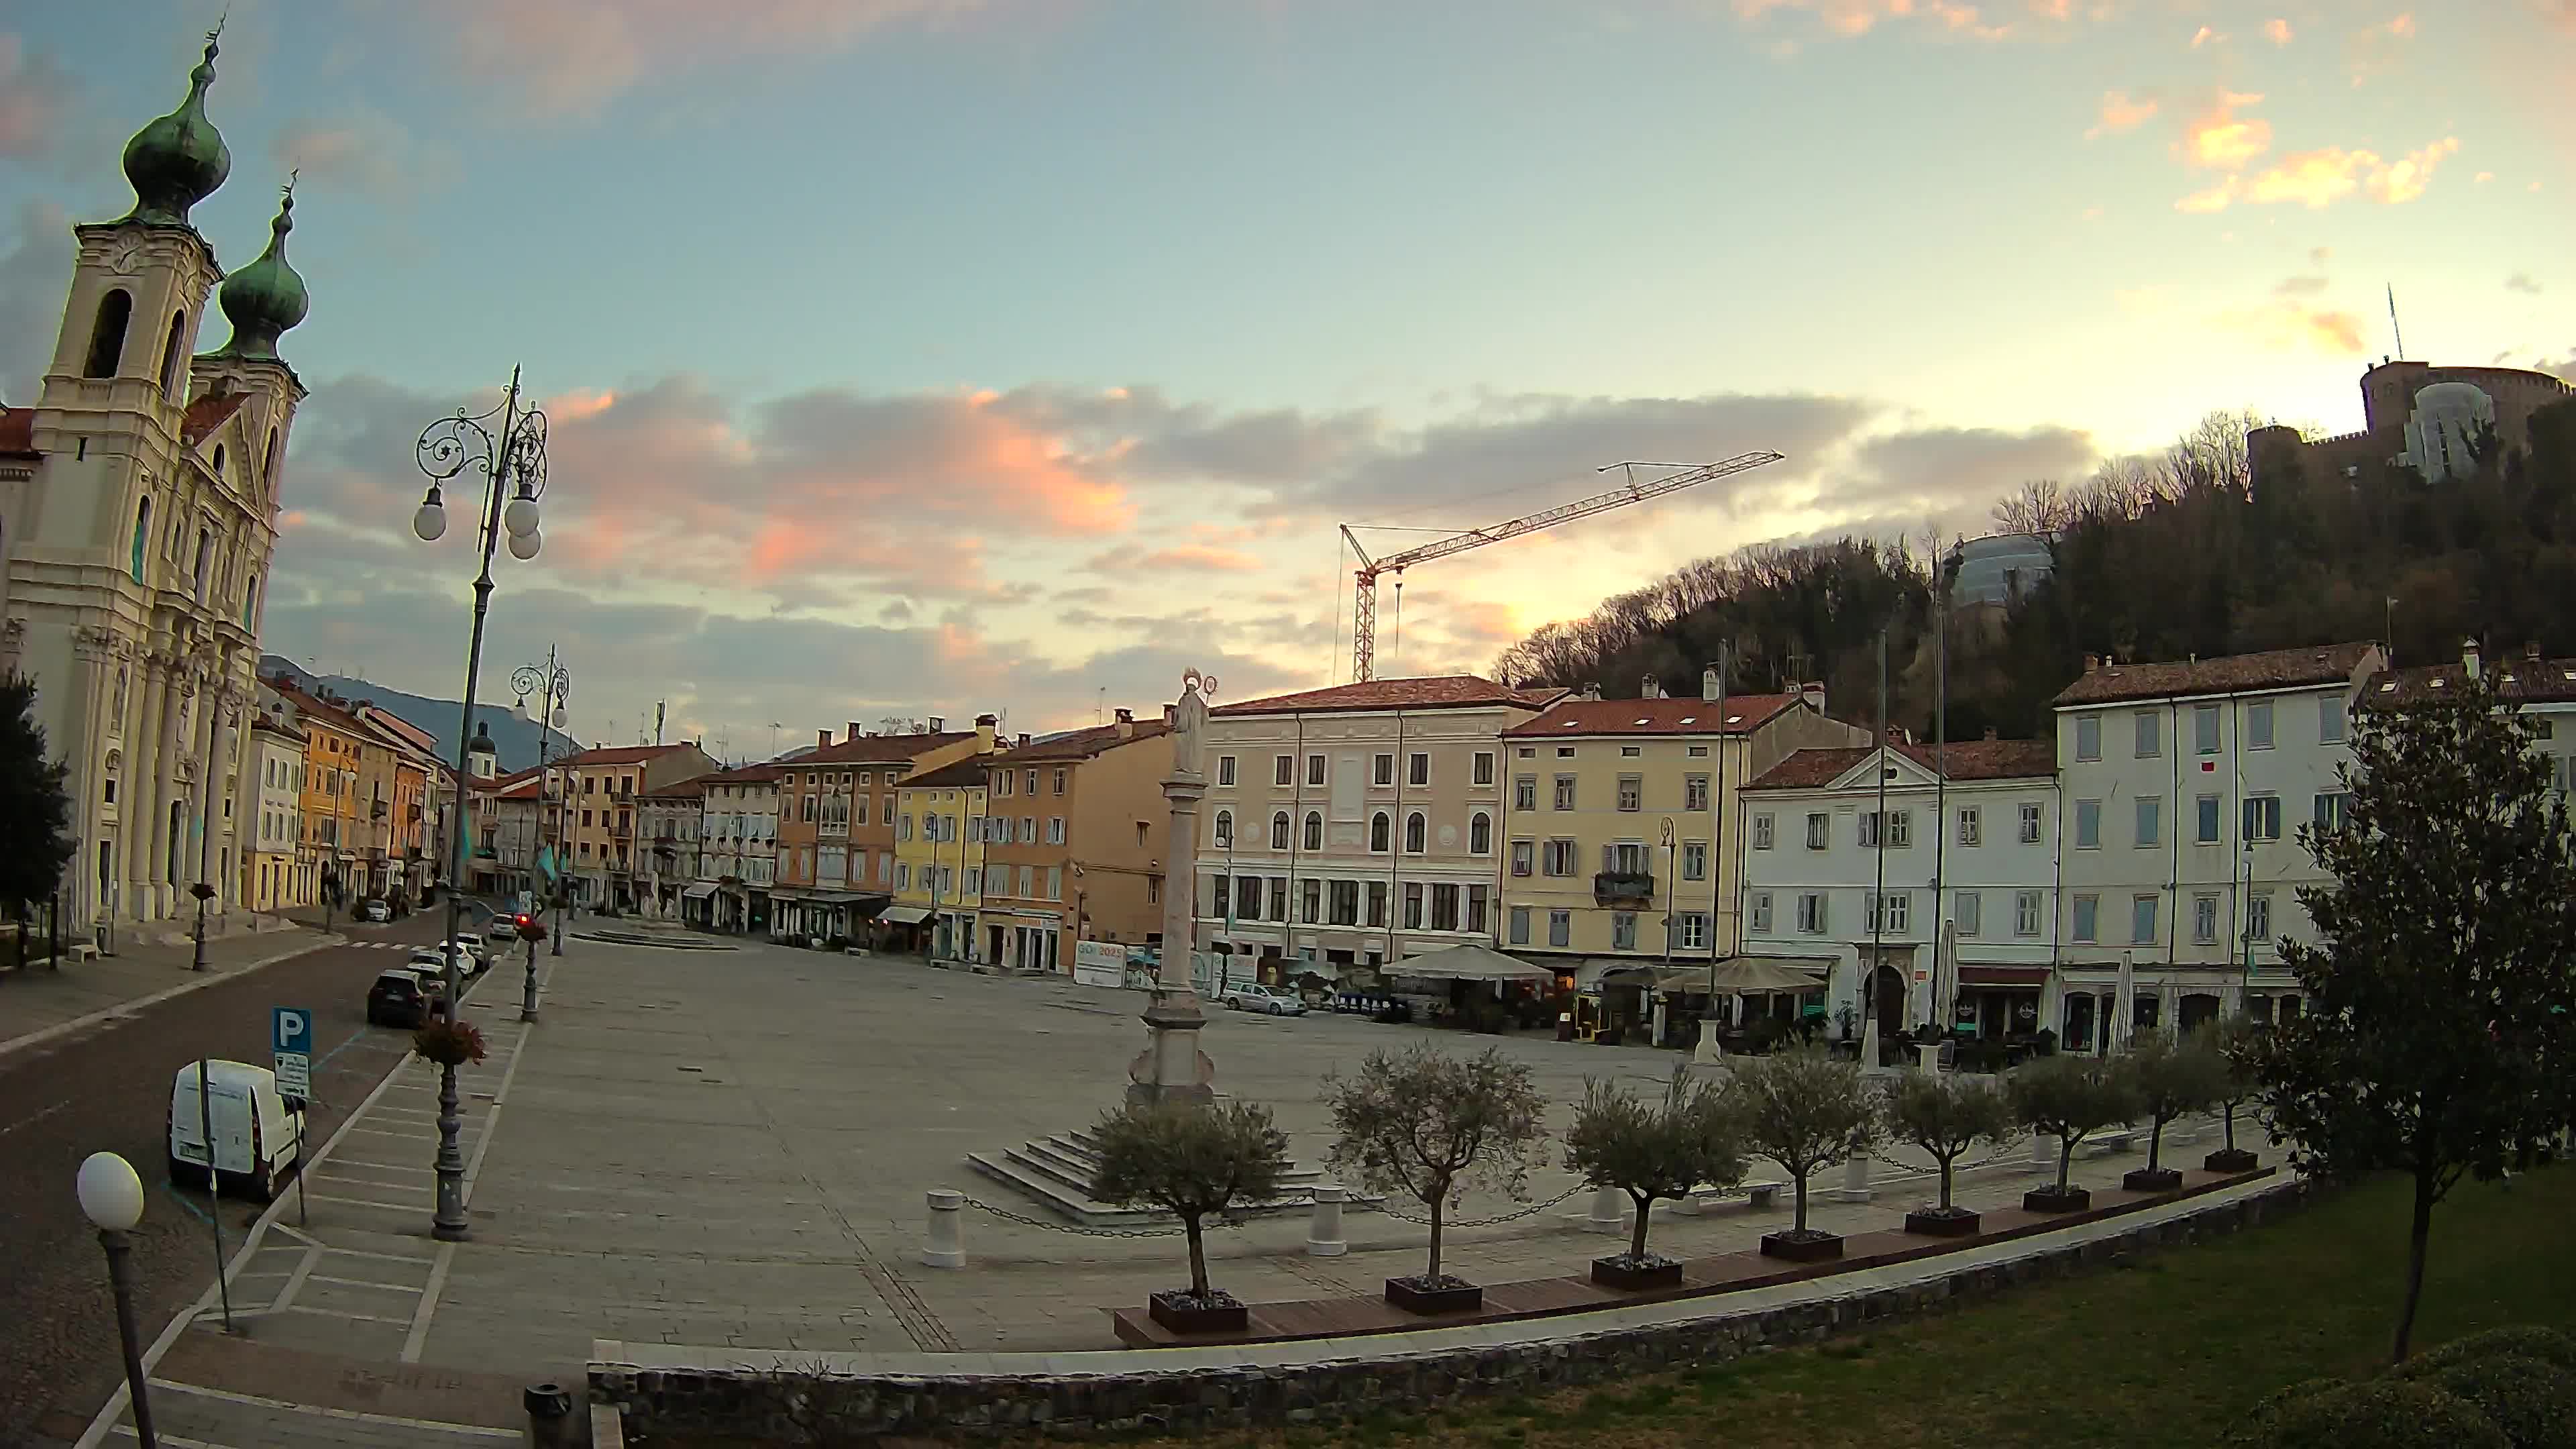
[(1973, 975), (1466, 963), (700, 891), (904, 915), (1737, 975)]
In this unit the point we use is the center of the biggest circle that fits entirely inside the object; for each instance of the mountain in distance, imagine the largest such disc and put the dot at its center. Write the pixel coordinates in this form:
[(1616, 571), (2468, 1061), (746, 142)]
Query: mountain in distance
[(514, 738)]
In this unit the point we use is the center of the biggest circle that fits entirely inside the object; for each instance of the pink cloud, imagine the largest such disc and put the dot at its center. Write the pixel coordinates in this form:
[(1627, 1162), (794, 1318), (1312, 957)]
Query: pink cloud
[(2318, 179), (2291, 326), (2120, 112), (1858, 17), (2277, 31), (2218, 139), (32, 97)]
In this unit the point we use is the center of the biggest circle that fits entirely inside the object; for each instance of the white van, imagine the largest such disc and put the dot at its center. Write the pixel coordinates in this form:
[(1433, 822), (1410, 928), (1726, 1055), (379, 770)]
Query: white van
[(259, 1143)]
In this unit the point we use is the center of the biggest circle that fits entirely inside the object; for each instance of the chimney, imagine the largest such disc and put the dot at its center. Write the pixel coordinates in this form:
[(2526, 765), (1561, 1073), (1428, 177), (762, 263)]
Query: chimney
[(985, 725), (2469, 656), (1171, 714), (1650, 688), (1990, 732), (938, 724), (1126, 724), (1708, 685), (822, 739), (1591, 691), (2092, 663), (1024, 739), (2531, 651), (1813, 692), (855, 731)]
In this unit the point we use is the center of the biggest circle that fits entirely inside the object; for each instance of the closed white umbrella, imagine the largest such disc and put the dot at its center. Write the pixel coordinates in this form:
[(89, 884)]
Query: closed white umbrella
[(2124, 1012)]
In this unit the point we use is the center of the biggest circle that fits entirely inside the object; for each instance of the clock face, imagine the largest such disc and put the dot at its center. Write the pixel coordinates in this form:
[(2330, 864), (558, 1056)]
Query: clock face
[(127, 259)]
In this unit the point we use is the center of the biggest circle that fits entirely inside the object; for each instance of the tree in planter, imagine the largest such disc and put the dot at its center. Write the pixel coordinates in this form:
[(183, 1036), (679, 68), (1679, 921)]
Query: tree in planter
[(2239, 1043), (1431, 1126), (1945, 1114), (1807, 1112), (35, 810), (2174, 1076), (2439, 1023), (2071, 1098), (1651, 1152), (1190, 1161)]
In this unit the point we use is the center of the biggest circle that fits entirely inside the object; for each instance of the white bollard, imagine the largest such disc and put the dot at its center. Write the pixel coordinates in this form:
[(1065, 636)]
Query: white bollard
[(1855, 1186), (2043, 1154), (1687, 1205), (946, 1248), (1324, 1230), (1927, 1058), (1609, 1211)]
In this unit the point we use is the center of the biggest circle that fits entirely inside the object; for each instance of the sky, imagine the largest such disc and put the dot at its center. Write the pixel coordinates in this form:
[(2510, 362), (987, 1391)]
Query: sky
[(935, 357)]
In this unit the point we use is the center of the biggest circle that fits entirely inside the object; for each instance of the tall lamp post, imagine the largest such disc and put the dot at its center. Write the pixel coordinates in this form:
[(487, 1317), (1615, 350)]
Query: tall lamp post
[(554, 682), (513, 465), (111, 1197)]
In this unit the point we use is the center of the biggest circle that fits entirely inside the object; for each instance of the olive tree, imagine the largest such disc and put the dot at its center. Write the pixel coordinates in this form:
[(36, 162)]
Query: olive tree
[(1190, 1161), (2073, 1098), (1431, 1125), (2238, 1040), (1947, 1114), (1653, 1150), (2174, 1076), (1805, 1111)]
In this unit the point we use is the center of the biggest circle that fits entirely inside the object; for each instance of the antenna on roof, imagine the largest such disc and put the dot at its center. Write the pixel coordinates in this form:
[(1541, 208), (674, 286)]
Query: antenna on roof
[(2399, 332)]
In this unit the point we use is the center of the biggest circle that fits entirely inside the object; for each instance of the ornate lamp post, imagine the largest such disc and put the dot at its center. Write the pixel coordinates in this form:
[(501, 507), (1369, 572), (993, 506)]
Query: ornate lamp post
[(513, 464), (554, 683)]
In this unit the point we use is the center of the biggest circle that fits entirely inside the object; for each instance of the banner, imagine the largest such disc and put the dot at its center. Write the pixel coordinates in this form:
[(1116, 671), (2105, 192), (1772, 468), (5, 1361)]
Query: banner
[(1099, 963)]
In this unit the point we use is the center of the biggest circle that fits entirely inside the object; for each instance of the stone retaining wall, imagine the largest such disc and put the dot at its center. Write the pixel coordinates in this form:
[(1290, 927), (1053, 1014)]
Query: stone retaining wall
[(788, 1405)]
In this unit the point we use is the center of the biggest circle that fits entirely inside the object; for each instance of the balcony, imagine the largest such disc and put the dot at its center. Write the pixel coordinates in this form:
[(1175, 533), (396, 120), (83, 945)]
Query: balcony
[(1623, 888)]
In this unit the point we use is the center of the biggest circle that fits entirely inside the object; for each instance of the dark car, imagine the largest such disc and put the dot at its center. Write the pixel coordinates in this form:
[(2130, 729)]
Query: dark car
[(401, 998)]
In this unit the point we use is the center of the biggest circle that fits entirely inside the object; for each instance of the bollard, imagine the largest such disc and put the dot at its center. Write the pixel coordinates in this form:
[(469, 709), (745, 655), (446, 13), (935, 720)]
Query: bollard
[(1609, 1211), (1855, 1186), (1324, 1230), (947, 1248), (1687, 1205), (2043, 1154), (551, 1424)]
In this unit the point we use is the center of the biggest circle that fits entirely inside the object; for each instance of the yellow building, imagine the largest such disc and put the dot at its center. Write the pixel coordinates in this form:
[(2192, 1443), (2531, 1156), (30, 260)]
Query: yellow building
[(939, 835), (331, 841), (1619, 815)]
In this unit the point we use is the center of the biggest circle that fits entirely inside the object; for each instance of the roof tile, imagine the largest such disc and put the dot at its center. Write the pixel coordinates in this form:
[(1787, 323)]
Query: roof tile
[(1080, 744), (1578, 717), (1443, 691), (2228, 674), (1963, 760), (207, 414), (2528, 679), (18, 431)]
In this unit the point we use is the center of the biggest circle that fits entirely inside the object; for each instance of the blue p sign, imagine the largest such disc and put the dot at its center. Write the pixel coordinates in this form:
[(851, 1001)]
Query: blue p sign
[(291, 1031)]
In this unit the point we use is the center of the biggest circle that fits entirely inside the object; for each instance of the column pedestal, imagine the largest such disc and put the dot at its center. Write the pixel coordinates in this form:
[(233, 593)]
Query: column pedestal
[(1172, 1068)]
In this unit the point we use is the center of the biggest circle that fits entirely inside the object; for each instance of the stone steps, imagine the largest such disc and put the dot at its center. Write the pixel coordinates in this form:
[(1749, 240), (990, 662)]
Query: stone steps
[(1056, 1173)]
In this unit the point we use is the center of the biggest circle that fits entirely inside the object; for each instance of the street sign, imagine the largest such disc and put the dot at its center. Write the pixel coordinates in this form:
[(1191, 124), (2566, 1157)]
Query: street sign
[(290, 1038)]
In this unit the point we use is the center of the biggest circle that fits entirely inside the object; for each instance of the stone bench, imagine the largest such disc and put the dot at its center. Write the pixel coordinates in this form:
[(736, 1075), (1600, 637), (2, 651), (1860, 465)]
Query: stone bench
[(2113, 1142), (1761, 1196)]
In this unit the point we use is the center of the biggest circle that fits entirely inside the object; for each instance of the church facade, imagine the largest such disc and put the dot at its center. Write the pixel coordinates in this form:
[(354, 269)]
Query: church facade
[(138, 506)]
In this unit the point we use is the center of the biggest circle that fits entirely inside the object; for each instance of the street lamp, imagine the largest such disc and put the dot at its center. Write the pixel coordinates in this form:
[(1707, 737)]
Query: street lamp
[(554, 682), (111, 1197), (515, 459)]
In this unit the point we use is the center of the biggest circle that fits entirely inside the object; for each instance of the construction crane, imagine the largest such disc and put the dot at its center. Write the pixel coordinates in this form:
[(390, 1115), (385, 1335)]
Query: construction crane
[(1364, 607)]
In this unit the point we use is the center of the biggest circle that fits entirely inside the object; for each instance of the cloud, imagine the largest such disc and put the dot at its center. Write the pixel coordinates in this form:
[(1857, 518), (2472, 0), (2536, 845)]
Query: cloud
[(2277, 31), (365, 150), (2522, 282), (1952, 476), (2483, 177), (572, 57), (2217, 139), (33, 96), (1858, 17), (1128, 561), (34, 274), (2205, 36), (2120, 112), (2306, 286), (2377, 49), (2320, 178)]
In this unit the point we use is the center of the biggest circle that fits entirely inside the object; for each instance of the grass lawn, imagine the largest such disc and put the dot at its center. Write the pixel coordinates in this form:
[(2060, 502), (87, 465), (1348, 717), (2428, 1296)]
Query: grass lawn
[(2163, 1351)]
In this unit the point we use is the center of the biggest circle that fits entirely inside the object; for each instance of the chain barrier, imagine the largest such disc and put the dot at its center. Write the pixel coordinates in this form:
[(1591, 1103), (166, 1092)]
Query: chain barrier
[(1537, 1207), (1024, 1220)]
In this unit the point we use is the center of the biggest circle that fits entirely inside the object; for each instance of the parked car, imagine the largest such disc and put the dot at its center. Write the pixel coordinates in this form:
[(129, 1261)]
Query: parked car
[(402, 997), (430, 961), (258, 1133), (475, 951), (504, 930), (375, 910), (1272, 1000)]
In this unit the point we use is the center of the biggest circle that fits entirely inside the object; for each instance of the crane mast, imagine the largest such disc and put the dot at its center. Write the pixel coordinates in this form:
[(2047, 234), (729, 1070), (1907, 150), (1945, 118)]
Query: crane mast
[(1365, 577)]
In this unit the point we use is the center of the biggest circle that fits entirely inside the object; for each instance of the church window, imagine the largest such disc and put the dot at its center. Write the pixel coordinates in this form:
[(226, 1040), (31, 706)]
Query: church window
[(205, 562), (142, 532), (171, 352), (219, 460), (268, 462), (107, 335), (250, 602)]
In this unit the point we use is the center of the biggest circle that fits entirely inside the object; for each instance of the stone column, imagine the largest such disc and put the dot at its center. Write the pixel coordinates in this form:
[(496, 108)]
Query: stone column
[(1172, 1068), (142, 810)]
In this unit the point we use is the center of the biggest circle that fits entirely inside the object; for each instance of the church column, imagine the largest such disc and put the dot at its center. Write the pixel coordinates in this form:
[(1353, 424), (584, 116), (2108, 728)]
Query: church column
[(197, 858), (141, 810), (179, 705), (85, 748)]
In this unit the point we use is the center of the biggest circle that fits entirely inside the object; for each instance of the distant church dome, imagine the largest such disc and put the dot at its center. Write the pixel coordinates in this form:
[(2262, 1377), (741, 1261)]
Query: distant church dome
[(1998, 568), (178, 160), (266, 298), (2449, 422)]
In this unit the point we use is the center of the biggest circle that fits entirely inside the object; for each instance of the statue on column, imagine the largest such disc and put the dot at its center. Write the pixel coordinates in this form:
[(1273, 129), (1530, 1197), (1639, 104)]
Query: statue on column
[(1189, 720)]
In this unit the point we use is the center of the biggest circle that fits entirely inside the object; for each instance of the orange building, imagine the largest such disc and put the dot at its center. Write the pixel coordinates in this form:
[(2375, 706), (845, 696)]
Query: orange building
[(836, 809), (1074, 843)]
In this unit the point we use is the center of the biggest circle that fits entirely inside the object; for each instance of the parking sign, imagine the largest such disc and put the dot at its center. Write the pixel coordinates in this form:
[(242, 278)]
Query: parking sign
[(290, 1039)]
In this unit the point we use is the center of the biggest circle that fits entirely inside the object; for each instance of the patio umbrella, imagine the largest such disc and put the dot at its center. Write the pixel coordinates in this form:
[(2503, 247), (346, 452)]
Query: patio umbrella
[(2123, 1010)]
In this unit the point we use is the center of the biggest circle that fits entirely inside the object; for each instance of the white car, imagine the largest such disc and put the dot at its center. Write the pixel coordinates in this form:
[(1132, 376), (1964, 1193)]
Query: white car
[(434, 961), (1271, 1000), (376, 911)]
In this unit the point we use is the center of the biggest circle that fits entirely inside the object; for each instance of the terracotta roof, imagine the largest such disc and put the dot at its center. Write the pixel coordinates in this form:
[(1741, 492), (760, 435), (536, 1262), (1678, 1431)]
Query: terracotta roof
[(207, 414), (1080, 744), (1577, 717), (1443, 691), (694, 786), (1964, 759), (328, 713), (951, 776), (2232, 674), (621, 755), (877, 749), (18, 431), (2528, 679)]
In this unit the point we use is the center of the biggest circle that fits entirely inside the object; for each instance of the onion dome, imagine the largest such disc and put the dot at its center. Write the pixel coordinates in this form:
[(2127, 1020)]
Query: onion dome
[(266, 298), (178, 160)]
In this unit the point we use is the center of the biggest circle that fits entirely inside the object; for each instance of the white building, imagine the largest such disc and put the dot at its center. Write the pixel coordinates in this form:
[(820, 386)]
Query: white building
[(2185, 785), (737, 850), (1355, 825), (1968, 838), (2545, 689), (137, 502), (277, 876)]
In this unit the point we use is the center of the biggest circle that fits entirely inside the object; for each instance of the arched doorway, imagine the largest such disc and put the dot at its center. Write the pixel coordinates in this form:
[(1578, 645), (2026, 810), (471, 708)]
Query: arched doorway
[(1887, 1001)]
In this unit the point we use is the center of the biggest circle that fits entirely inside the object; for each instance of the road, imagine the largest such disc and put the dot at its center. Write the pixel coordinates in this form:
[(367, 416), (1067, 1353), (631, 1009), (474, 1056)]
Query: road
[(110, 1088)]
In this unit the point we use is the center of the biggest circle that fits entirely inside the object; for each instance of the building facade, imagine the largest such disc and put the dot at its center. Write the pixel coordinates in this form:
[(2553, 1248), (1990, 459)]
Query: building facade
[(670, 818), (939, 858), (334, 745), (599, 810), (2184, 787), (1857, 859), (1350, 827), (140, 492), (2407, 409), (738, 850), (1620, 814), (1074, 843), (836, 823), (277, 876)]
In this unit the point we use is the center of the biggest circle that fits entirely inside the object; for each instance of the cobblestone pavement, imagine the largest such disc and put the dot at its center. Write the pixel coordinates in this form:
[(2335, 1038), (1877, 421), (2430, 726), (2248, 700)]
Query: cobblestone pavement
[(731, 1149)]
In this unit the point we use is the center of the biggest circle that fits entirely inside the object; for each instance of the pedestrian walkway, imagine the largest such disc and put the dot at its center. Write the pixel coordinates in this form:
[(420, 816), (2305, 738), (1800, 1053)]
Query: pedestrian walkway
[(42, 1005)]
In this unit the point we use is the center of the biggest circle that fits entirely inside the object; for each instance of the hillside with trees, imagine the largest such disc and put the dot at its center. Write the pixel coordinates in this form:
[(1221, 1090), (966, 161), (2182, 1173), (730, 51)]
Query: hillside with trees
[(2160, 556)]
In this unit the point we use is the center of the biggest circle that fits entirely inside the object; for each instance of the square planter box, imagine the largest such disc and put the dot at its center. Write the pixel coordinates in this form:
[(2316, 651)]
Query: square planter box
[(1182, 1313), (2229, 1159), (1934, 1223), (2050, 1200), (1815, 1247), (1630, 1275), (1449, 1296), (2151, 1179)]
